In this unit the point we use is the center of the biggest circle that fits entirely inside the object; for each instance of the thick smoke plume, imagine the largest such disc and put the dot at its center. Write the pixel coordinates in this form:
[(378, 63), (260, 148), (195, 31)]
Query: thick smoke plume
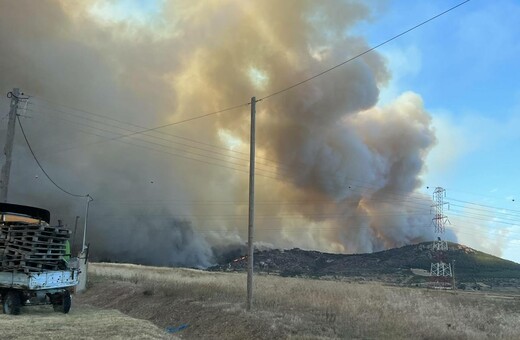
[(336, 172)]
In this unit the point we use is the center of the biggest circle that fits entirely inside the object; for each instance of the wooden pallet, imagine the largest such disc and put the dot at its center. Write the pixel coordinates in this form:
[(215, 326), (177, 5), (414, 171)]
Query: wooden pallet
[(38, 257), (32, 247), (38, 234), (34, 250)]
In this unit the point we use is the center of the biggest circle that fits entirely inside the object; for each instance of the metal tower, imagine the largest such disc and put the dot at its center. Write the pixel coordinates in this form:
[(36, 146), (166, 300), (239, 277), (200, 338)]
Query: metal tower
[(440, 270)]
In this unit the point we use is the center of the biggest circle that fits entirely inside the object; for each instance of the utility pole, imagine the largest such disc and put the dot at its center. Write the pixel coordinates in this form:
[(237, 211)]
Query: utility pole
[(250, 229), (74, 234), (89, 199), (83, 256), (8, 149)]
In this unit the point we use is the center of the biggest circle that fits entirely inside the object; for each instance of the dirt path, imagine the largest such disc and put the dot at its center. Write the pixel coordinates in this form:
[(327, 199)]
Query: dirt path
[(83, 322)]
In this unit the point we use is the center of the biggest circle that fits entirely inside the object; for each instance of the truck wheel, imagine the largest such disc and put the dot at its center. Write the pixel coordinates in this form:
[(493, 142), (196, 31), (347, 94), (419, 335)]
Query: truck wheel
[(64, 303), (12, 303)]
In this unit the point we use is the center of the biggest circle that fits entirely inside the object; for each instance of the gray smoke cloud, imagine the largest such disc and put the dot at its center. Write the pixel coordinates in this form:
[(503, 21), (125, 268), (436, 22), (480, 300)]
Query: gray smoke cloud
[(336, 172)]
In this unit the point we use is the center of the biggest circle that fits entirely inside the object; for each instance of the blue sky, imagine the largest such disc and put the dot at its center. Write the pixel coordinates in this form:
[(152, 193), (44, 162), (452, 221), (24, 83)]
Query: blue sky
[(140, 10), (465, 67)]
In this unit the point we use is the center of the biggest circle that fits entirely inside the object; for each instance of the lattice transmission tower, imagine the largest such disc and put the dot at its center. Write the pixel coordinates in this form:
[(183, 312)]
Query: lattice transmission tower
[(440, 270)]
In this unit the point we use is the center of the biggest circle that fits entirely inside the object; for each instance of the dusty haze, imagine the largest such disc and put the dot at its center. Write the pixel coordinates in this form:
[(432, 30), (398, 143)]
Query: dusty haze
[(335, 171)]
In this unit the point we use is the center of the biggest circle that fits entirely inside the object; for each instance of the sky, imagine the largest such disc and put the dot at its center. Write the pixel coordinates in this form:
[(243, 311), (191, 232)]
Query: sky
[(458, 72), (465, 67)]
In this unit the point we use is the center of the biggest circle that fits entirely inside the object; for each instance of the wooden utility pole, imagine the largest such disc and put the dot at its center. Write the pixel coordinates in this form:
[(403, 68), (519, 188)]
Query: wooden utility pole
[(250, 229), (83, 256), (8, 148), (84, 246), (74, 234)]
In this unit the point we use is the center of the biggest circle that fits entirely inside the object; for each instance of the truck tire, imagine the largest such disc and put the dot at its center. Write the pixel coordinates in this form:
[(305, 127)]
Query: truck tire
[(12, 302), (64, 303)]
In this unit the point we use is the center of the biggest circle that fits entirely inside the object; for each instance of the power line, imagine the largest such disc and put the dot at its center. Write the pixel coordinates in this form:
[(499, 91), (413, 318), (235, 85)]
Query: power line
[(169, 141), (412, 198), (487, 206), (230, 108), (162, 145), (240, 203), (262, 171), (55, 109), (409, 198), (481, 218), (279, 91), (291, 86), (412, 209), (241, 105), (405, 194), (218, 228), (396, 206), (362, 53), (42, 169), (486, 213), (276, 165), (293, 216), (194, 159), (163, 126)]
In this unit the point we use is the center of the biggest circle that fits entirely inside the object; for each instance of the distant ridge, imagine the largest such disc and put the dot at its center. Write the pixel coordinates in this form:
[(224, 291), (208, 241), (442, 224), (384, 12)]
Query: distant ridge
[(392, 265)]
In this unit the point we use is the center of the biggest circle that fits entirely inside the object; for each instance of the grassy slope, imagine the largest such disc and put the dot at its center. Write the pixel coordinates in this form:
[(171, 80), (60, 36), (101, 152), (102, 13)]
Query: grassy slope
[(482, 265), (212, 303), (470, 264)]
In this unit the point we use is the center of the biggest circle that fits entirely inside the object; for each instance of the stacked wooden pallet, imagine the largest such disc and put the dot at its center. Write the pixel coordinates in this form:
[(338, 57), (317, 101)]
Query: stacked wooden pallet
[(32, 247), (3, 240)]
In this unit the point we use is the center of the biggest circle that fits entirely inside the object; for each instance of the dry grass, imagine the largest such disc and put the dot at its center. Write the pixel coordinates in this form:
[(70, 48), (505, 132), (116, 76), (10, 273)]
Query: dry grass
[(41, 322), (304, 308)]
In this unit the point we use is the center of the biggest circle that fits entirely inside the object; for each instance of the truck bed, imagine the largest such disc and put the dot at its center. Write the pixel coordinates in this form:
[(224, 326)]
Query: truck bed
[(40, 280)]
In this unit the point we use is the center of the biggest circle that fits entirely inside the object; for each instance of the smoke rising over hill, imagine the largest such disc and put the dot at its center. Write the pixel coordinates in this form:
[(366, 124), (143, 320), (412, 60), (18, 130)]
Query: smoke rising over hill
[(336, 172)]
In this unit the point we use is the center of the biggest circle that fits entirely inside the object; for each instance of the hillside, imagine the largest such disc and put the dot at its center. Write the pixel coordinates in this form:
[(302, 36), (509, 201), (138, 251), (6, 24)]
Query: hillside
[(393, 265)]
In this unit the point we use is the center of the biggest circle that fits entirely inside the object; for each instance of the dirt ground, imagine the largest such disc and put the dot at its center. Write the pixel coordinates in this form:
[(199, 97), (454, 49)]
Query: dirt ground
[(82, 322), (205, 319)]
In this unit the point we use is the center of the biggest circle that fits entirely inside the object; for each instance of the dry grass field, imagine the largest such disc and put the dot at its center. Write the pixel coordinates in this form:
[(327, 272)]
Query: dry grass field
[(40, 322), (212, 304)]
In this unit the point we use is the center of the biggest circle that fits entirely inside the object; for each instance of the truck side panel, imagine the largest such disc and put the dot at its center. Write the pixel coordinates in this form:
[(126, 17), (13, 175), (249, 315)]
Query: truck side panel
[(38, 281)]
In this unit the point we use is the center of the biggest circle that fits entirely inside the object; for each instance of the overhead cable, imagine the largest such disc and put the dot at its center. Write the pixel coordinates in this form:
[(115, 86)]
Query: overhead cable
[(362, 53), (296, 84), (41, 168)]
